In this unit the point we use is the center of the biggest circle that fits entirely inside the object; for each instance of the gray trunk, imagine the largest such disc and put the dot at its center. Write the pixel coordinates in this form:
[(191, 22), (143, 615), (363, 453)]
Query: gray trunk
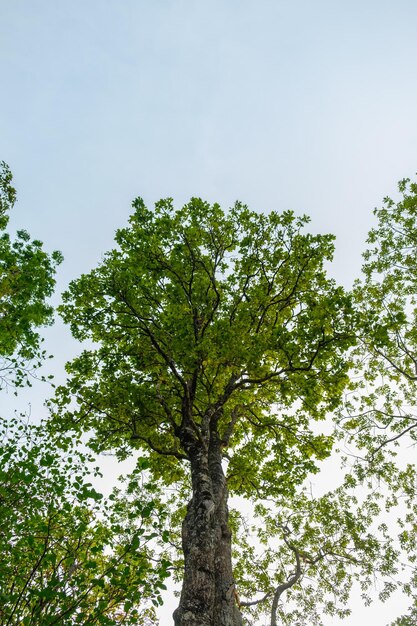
[(208, 595)]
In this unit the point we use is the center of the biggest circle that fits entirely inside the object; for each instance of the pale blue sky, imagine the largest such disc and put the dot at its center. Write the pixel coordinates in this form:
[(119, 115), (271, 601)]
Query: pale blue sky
[(303, 104)]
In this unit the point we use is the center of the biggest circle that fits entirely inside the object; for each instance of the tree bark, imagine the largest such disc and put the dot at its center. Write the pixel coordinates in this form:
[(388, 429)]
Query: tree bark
[(208, 596), (226, 611)]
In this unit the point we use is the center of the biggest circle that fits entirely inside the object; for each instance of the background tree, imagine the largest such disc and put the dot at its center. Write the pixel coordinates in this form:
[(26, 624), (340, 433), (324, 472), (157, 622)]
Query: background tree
[(66, 555), (26, 282), (219, 340), (387, 298), (380, 415)]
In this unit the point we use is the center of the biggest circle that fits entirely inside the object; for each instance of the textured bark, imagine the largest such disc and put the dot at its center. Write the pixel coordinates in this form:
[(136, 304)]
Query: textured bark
[(226, 611), (208, 595)]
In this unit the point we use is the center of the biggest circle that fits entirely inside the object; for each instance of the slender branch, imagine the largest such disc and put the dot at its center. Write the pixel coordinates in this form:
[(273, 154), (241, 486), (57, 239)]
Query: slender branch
[(396, 367), (254, 602), (387, 441)]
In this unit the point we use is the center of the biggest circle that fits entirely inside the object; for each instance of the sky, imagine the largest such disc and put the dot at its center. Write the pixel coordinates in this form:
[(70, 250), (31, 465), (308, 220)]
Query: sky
[(300, 105)]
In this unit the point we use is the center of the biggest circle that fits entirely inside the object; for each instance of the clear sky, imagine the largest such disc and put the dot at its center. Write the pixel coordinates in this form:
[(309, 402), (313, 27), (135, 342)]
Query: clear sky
[(301, 104)]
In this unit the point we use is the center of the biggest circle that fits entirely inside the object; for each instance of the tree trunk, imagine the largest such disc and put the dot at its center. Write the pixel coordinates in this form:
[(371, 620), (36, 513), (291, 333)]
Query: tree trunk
[(208, 595)]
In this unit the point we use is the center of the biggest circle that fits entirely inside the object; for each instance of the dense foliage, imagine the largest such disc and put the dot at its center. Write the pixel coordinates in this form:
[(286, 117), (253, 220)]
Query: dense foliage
[(231, 313)]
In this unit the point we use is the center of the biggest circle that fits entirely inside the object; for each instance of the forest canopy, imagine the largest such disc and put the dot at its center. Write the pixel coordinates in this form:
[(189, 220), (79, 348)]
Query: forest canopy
[(222, 356)]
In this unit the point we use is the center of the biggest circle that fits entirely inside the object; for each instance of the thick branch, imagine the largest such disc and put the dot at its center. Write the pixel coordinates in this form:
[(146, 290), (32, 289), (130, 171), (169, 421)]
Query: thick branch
[(156, 344), (175, 453)]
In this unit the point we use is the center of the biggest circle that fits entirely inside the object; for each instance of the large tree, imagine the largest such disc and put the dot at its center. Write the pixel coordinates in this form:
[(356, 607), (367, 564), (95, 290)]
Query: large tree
[(218, 340)]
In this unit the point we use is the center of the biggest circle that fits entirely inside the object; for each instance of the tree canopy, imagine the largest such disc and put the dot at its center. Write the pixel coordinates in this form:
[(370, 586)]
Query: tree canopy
[(225, 315), (224, 359)]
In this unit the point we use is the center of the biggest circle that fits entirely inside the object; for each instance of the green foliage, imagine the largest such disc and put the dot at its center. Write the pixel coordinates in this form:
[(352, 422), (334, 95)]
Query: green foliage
[(380, 413), (7, 194), (67, 556), (314, 550), (26, 282), (226, 323), (229, 314), (381, 407)]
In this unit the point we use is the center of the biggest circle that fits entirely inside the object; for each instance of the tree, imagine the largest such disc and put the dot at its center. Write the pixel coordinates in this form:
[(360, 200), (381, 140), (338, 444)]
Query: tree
[(26, 282), (388, 300), (218, 341), (380, 413), (305, 553), (67, 556)]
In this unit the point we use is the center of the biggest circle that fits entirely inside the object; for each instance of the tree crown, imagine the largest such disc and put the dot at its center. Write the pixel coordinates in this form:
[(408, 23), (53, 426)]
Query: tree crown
[(210, 323)]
